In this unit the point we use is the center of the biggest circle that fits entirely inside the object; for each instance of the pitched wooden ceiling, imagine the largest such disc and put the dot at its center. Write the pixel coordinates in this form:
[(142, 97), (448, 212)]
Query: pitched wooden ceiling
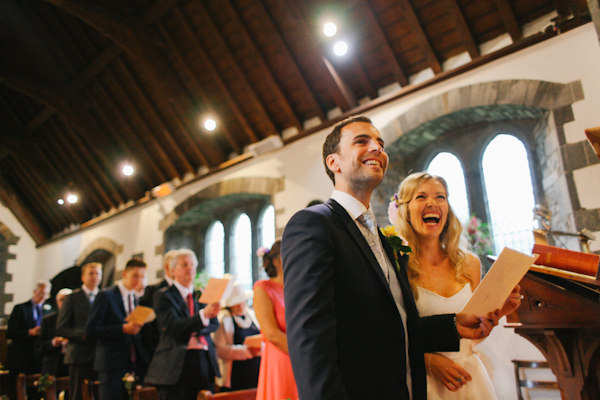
[(86, 85)]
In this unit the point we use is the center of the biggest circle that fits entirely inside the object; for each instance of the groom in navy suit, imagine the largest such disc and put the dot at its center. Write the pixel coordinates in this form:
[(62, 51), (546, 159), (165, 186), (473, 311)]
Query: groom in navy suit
[(352, 325)]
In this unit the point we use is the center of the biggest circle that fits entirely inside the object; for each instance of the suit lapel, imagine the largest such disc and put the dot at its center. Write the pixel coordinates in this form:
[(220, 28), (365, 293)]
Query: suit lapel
[(180, 305), (119, 297), (360, 241)]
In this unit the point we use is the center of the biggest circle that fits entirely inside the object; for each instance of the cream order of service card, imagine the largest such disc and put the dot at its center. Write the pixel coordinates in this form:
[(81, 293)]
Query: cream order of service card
[(508, 270)]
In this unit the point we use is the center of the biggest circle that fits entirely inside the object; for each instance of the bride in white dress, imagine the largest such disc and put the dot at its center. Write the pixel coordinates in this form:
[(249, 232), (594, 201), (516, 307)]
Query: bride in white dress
[(442, 276)]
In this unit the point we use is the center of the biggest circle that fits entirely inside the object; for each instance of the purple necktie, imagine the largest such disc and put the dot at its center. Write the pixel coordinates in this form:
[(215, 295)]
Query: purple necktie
[(38, 317)]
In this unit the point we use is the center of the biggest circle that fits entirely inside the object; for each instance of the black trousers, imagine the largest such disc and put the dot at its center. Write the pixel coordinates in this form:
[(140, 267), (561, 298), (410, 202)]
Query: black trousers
[(77, 373), (196, 375)]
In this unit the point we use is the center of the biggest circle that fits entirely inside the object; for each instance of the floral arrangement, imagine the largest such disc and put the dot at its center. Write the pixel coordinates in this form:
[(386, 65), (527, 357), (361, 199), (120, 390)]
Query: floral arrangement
[(262, 251), (478, 234), (43, 383), (397, 242), (129, 383), (201, 280)]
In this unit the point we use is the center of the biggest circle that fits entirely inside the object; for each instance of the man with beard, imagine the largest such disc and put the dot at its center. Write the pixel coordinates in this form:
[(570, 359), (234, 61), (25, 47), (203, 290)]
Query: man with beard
[(353, 328)]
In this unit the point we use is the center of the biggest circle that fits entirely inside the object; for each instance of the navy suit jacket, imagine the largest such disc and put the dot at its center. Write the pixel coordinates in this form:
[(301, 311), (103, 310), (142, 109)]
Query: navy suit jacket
[(345, 335), (113, 347), (176, 328), (71, 324), (151, 331), (21, 352)]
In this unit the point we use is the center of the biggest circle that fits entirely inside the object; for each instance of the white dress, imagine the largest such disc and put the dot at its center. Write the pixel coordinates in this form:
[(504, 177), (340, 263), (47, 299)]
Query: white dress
[(480, 387)]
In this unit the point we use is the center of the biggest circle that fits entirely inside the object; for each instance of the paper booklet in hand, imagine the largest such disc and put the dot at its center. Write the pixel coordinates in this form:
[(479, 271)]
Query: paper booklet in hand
[(254, 341), (141, 315), (506, 272), (217, 289)]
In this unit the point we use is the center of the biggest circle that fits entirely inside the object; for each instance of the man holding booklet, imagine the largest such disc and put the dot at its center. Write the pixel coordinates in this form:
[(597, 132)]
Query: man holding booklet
[(185, 359)]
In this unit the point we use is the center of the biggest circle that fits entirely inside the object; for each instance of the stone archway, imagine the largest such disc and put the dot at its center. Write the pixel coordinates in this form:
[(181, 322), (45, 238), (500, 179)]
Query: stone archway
[(7, 238)]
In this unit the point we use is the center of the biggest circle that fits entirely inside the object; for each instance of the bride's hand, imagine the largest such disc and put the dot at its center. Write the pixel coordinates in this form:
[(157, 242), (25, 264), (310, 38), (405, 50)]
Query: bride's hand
[(512, 302), (449, 373)]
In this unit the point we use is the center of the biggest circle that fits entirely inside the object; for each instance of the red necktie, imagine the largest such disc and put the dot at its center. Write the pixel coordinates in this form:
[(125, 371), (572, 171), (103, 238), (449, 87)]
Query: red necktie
[(190, 300)]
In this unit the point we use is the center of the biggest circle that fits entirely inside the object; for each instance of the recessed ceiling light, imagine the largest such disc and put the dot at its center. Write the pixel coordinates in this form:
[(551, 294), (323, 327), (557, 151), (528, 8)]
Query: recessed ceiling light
[(72, 198), (340, 48), (330, 29), (60, 201), (210, 124), (127, 170)]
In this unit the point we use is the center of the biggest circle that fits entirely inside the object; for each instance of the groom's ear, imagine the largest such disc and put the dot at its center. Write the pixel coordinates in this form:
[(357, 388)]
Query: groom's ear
[(332, 162)]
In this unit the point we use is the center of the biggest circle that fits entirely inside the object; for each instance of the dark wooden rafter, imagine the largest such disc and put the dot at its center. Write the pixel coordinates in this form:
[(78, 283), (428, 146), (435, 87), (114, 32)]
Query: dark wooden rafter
[(158, 122), (214, 74), (198, 90), (509, 20), (83, 168), (148, 138), (362, 76), (37, 193), (135, 39), (563, 8), (25, 217), (233, 64), (127, 134), (300, 78), (377, 31), (422, 41), (340, 92), (267, 75), (462, 28)]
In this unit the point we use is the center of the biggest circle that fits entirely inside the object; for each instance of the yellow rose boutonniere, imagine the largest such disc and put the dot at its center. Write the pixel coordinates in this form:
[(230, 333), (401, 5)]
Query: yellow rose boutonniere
[(397, 242)]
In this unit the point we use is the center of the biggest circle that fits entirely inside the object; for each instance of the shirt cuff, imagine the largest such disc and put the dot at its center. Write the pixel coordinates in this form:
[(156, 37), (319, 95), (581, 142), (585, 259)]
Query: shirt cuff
[(205, 320)]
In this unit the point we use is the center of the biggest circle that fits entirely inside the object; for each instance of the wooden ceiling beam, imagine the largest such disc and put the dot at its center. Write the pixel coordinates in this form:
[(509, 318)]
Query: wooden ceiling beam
[(37, 195), (137, 40), (509, 20), (268, 76), (84, 167), (212, 71), (24, 216), (300, 78), (563, 8), (128, 134), (421, 38), (200, 91), (148, 138), (380, 37), (362, 77), (234, 65), (340, 92), (158, 121), (462, 28)]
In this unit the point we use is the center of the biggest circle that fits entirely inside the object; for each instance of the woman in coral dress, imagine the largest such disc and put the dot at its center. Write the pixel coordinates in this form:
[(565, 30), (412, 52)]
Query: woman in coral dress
[(275, 379)]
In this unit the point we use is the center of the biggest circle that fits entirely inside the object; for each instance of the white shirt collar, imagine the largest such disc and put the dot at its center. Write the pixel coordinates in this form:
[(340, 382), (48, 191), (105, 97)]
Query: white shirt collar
[(350, 203), (88, 291), (169, 280), (184, 291), (124, 291)]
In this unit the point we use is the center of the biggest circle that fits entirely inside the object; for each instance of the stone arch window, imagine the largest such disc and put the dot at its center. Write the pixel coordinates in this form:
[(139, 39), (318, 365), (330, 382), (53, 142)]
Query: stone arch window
[(241, 250), (215, 250), (449, 167), (509, 193)]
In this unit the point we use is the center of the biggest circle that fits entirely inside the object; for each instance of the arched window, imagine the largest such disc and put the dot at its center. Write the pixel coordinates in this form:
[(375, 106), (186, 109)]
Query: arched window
[(448, 167), (241, 250), (509, 193), (266, 226), (214, 247)]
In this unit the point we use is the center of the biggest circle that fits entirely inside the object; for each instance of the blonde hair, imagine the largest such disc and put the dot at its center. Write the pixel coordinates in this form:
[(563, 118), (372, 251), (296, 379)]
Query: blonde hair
[(450, 238)]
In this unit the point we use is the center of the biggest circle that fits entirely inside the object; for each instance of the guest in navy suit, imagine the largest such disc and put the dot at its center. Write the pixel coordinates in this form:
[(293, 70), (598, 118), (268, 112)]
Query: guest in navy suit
[(72, 322), (185, 360), (24, 326), (353, 328), (118, 349)]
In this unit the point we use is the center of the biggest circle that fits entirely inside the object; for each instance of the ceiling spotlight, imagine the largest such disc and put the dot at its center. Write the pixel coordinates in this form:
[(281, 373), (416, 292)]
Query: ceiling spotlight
[(127, 170), (340, 48), (330, 29), (210, 124), (72, 198), (60, 201)]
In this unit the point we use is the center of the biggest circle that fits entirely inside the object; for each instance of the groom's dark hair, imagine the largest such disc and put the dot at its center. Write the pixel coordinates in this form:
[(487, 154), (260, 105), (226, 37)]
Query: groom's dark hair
[(332, 141)]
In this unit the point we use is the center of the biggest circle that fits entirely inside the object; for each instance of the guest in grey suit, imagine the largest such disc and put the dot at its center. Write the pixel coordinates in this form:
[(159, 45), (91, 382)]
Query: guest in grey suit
[(72, 320), (185, 360), (52, 346)]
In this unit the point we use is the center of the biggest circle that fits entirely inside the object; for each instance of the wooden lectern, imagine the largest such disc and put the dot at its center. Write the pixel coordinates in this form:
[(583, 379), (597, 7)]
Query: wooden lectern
[(560, 315)]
